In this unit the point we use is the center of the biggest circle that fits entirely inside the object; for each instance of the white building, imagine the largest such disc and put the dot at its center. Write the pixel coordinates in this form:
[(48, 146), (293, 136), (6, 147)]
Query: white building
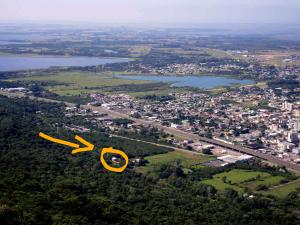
[(287, 106), (17, 89), (230, 159), (296, 151), (285, 146), (173, 125)]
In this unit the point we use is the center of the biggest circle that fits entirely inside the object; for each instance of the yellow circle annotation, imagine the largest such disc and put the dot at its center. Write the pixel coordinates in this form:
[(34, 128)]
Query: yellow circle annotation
[(113, 151)]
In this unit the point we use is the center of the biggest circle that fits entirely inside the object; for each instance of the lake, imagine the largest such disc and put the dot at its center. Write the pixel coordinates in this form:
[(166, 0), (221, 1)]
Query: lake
[(204, 82), (25, 62)]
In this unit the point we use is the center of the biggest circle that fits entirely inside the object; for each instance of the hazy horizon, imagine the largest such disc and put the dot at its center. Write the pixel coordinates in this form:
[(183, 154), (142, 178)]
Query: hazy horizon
[(154, 12)]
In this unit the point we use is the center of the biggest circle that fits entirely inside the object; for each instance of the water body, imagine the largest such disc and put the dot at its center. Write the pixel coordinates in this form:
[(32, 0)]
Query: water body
[(23, 62), (13, 42), (203, 82), (27, 36)]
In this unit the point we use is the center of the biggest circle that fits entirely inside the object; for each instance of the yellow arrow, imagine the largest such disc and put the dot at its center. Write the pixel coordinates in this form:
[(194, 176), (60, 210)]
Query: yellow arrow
[(89, 146)]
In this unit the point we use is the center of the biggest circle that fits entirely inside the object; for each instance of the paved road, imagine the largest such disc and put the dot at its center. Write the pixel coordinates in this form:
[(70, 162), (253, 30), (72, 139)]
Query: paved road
[(183, 134), (195, 137), (161, 145)]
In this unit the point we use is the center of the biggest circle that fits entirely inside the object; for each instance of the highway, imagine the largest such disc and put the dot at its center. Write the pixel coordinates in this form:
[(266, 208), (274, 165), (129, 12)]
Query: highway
[(195, 137), (161, 145), (176, 132)]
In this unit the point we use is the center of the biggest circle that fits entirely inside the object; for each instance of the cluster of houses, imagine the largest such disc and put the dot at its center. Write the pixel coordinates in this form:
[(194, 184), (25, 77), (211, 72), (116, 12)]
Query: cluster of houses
[(258, 118)]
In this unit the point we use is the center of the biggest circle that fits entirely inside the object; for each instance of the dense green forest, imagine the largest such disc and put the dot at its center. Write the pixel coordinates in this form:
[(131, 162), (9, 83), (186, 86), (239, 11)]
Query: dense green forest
[(42, 183)]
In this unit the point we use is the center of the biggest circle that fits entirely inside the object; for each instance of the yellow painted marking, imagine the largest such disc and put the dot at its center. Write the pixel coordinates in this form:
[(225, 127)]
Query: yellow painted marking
[(90, 147), (59, 141)]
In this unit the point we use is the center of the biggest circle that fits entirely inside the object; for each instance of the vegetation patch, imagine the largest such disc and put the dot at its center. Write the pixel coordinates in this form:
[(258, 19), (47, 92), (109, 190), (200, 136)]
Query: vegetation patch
[(266, 181), (284, 190), (81, 83), (240, 180), (221, 185), (184, 159)]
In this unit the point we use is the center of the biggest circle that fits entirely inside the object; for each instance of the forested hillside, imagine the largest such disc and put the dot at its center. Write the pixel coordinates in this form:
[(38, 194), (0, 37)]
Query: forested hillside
[(42, 183)]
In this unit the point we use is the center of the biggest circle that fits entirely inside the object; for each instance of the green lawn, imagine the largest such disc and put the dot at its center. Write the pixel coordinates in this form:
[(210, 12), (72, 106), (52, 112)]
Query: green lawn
[(283, 190), (220, 185), (238, 180), (187, 160), (239, 176), (267, 181)]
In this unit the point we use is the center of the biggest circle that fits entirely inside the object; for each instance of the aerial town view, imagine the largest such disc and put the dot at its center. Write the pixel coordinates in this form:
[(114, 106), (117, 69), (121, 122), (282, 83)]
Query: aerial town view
[(150, 112)]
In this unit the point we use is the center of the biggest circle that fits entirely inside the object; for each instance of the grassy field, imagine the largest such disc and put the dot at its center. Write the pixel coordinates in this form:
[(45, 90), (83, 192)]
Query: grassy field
[(220, 185), (83, 83), (277, 57), (79, 83), (267, 181), (139, 50), (283, 190), (241, 179), (197, 51), (75, 83), (273, 57), (238, 176), (187, 160)]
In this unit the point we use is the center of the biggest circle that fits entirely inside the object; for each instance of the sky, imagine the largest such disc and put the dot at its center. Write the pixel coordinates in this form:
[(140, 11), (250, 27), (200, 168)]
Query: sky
[(153, 11)]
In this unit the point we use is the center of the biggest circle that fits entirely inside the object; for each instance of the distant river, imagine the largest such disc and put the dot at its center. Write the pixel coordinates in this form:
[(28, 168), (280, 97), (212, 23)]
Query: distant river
[(204, 82), (26, 62)]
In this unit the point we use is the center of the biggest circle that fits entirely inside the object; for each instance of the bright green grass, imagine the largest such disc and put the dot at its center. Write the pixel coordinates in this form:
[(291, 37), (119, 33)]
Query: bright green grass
[(81, 82), (198, 166), (283, 190), (187, 160), (220, 185), (267, 181), (238, 176), (237, 179)]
